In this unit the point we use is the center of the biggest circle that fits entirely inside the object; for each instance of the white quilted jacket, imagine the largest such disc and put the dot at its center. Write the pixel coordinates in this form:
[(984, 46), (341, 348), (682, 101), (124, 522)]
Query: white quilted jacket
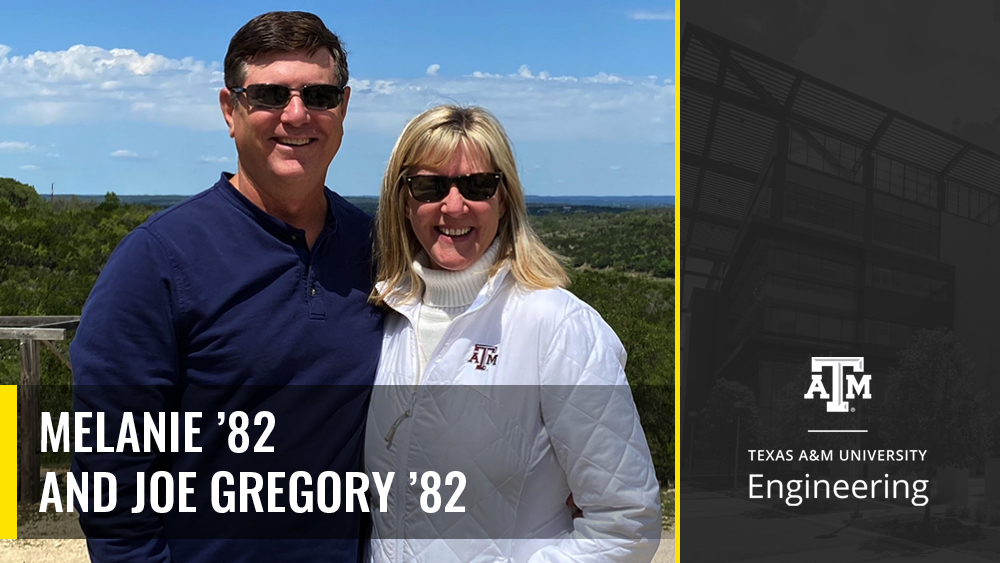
[(526, 396)]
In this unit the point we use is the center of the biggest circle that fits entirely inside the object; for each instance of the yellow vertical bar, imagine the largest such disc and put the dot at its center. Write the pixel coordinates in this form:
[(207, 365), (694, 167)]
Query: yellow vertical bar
[(677, 284), (8, 461)]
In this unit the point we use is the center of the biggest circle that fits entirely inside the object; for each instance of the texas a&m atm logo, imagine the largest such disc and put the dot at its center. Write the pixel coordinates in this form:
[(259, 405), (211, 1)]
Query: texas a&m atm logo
[(840, 380), (483, 356)]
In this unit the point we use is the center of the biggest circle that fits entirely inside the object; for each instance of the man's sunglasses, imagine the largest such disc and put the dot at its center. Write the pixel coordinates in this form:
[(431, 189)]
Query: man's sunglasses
[(473, 187), (276, 96)]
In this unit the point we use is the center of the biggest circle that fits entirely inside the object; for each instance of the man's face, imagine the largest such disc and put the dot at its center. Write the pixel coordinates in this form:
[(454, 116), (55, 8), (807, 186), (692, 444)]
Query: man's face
[(290, 145)]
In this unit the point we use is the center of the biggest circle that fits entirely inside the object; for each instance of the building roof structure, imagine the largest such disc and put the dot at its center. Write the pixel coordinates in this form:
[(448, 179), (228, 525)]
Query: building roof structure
[(735, 101)]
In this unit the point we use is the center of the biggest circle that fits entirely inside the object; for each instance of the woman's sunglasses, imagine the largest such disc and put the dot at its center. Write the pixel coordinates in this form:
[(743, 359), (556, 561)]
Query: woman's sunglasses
[(473, 187), (277, 96)]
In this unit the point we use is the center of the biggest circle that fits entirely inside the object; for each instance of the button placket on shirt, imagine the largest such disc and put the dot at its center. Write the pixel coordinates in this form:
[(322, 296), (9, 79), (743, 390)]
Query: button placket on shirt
[(317, 310)]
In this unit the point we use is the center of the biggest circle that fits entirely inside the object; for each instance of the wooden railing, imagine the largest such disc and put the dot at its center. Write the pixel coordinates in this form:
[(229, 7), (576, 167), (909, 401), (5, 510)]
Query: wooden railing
[(30, 331)]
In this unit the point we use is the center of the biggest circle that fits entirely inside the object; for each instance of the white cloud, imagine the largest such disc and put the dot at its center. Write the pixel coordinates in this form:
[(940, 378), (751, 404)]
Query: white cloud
[(85, 83), (531, 109), (52, 155), (122, 153), (16, 146), (215, 159), (384, 87), (615, 166), (90, 84), (377, 86), (28, 167), (649, 15), (433, 69), (524, 73), (605, 78), (605, 107)]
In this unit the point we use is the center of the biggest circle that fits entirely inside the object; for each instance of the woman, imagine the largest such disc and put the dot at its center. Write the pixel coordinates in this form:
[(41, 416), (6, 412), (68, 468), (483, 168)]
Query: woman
[(490, 369)]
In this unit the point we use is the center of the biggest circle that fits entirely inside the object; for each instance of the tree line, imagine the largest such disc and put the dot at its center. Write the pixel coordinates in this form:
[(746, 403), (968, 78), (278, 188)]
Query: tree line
[(632, 241)]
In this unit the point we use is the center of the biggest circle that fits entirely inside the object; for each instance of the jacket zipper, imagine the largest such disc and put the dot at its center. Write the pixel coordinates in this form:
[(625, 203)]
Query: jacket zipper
[(395, 425), (391, 434), (413, 398), (401, 494)]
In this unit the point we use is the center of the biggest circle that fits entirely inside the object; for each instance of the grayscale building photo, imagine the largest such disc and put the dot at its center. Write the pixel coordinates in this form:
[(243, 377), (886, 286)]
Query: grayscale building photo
[(839, 201), (815, 222)]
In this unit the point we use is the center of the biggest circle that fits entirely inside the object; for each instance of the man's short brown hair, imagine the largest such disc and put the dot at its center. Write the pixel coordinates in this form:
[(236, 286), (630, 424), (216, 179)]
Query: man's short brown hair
[(281, 32)]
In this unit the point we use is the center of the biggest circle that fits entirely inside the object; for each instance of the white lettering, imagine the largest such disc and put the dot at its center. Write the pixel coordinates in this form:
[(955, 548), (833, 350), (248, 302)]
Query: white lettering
[(127, 434), (383, 490), (54, 436), (50, 493), (273, 491), (228, 495), (184, 491), (101, 477), (81, 431), (862, 388), (190, 429), (358, 491), (817, 387), (293, 490)]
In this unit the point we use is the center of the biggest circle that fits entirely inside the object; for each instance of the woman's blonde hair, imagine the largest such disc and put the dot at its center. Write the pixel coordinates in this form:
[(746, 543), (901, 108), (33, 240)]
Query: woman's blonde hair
[(428, 142)]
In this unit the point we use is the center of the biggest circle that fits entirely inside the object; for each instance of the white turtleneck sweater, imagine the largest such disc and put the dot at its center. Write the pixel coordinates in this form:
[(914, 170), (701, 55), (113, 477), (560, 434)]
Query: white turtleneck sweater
[(447, 294)]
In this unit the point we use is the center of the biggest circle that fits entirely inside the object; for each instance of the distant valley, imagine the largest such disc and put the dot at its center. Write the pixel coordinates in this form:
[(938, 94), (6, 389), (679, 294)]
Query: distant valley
[(537, 205)]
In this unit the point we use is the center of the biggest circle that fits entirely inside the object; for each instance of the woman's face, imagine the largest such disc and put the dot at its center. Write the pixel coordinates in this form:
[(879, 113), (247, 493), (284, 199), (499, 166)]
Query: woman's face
[(456, 232)]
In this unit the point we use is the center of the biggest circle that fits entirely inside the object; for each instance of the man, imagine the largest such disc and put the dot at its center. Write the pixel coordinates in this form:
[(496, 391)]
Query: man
[(250, 296)]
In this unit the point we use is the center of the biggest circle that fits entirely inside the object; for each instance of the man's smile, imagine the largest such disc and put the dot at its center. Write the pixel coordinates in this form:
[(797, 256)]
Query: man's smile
[(289, 141)]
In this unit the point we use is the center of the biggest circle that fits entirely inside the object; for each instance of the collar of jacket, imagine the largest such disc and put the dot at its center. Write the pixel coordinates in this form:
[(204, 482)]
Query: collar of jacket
[(409, 307)]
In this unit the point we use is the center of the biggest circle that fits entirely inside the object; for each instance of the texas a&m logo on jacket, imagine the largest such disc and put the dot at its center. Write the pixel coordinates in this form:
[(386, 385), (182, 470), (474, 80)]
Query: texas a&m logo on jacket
[(483, 356)]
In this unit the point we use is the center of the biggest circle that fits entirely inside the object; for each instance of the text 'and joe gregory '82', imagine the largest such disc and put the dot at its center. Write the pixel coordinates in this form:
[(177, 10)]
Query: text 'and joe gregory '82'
[(298, 491)]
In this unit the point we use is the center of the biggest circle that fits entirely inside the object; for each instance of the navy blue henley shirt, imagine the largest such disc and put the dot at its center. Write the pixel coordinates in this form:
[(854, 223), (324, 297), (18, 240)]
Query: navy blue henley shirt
[(214, 306)]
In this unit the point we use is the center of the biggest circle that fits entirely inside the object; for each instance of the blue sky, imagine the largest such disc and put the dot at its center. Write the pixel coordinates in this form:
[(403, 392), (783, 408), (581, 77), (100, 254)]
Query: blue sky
[(122, 97)]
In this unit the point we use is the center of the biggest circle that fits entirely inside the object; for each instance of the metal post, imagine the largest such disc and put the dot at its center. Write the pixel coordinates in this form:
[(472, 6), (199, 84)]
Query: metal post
[(738, 406), (736, 471), (857, 436), (691, 448), (31, 415)]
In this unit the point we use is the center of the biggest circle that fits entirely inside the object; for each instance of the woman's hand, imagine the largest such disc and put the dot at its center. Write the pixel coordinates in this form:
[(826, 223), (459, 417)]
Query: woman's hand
[(577, 513)]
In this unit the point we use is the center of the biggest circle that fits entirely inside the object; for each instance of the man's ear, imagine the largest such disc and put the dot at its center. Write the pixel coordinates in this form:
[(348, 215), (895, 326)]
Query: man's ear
[(228, 104), (343, 104)]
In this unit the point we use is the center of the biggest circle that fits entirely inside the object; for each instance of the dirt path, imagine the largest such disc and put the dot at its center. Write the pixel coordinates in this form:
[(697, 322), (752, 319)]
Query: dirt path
[(43, 551), (75, 550), (47, 550), (665, 554)]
